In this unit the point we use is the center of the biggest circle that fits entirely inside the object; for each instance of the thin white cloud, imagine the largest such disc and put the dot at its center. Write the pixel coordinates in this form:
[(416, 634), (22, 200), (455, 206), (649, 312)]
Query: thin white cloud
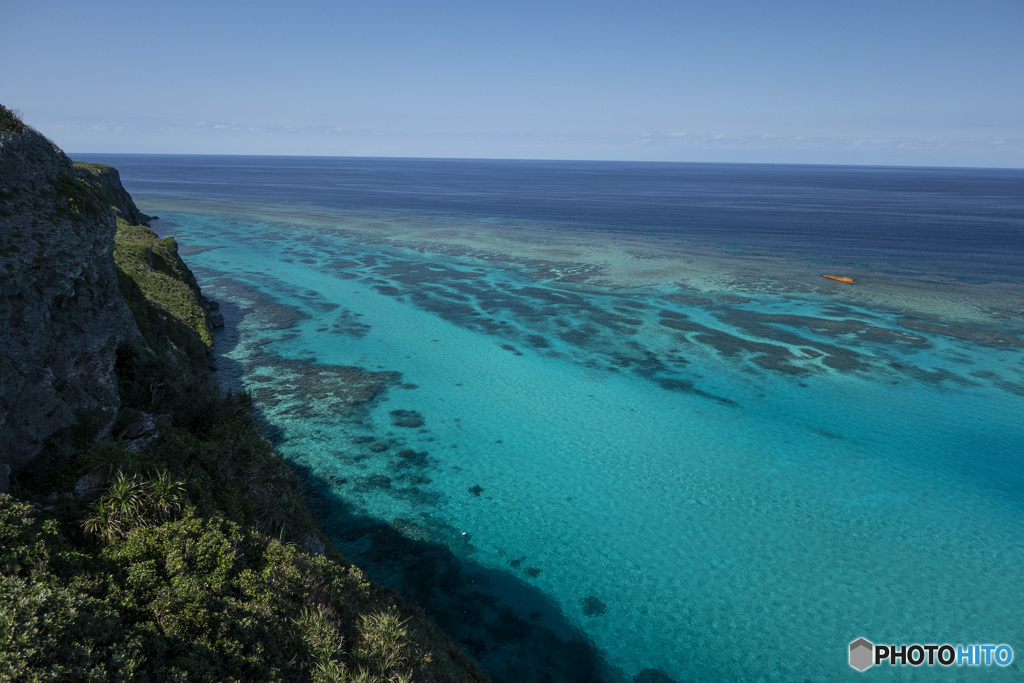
[(201, 136)]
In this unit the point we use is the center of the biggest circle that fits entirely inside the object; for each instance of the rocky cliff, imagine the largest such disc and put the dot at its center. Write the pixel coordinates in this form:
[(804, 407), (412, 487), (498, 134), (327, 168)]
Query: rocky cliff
[(62, 317), (110, 181), (179, 547)]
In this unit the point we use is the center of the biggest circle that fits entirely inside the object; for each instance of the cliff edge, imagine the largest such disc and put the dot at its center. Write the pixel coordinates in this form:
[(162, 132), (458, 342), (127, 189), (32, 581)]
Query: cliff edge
[(62, 315), (174, 543), (110, 182)]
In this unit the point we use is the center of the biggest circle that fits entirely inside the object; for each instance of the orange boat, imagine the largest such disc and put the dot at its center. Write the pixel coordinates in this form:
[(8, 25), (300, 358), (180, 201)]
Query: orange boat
[(839, 278)]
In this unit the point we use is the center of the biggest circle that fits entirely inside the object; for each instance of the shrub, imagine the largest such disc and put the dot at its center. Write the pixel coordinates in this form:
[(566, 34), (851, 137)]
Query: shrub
[(10, 120), (186, 566)]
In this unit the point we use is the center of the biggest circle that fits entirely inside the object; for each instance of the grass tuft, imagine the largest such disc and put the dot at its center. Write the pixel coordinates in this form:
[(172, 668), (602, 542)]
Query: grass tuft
[(10, 120)]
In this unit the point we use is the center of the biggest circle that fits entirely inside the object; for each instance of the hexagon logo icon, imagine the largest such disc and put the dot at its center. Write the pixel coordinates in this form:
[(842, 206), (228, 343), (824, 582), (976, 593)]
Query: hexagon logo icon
[(861, 654)]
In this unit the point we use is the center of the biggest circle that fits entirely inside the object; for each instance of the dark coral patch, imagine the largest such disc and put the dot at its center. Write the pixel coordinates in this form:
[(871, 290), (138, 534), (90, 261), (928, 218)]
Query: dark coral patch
[(685, 386), (347, 325), (617, 323), (509, 347), (340, 390), (936, 377), (733, 299), (593, 607), (579, 336), (410, 458), (476, 490), (537, 341), (406, 418), (844, 327), (844, 362), (690, 300), (991, 338), (375, 481), (653, 676), (555, 296)]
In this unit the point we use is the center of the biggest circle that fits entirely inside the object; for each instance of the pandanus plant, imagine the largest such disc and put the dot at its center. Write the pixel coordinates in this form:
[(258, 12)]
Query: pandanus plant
[(131, 502)]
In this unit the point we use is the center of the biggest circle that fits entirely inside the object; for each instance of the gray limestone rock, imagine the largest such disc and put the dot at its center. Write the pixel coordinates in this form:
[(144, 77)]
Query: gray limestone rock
[(110, 180), (62, 317), (88, 486), (313, 545)]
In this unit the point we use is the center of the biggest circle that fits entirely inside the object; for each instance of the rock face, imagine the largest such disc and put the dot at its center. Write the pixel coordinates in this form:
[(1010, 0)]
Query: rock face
[(110, 180), (62, 317)]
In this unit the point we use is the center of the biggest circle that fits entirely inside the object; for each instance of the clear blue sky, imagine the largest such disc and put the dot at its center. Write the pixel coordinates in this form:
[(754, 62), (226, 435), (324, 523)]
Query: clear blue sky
[(898, 82)]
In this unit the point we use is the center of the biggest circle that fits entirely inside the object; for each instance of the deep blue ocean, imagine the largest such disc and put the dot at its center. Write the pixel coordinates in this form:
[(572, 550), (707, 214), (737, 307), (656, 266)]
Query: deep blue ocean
[(606, 421)]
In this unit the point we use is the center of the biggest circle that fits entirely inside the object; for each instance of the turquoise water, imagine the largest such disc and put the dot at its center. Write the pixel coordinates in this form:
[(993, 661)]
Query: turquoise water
[(708, 484), (607, 422)]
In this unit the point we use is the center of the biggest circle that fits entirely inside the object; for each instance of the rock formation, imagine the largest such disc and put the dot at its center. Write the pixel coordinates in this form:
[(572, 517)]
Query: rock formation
[(110, 180), (62, 317)]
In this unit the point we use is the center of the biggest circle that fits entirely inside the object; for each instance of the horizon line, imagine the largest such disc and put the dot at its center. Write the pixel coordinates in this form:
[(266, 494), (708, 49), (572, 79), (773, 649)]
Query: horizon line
[(553, 160)]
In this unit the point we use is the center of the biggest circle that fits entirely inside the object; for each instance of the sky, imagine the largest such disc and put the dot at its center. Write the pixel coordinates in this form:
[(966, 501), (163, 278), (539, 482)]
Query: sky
[(901, 82)]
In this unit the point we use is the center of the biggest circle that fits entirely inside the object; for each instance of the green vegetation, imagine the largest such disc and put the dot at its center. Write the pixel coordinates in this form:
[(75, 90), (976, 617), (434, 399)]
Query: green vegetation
[(161, 292), (93, 168), (109, 179), (78, 196), (193, 598), (180, 548), (10, 121)]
